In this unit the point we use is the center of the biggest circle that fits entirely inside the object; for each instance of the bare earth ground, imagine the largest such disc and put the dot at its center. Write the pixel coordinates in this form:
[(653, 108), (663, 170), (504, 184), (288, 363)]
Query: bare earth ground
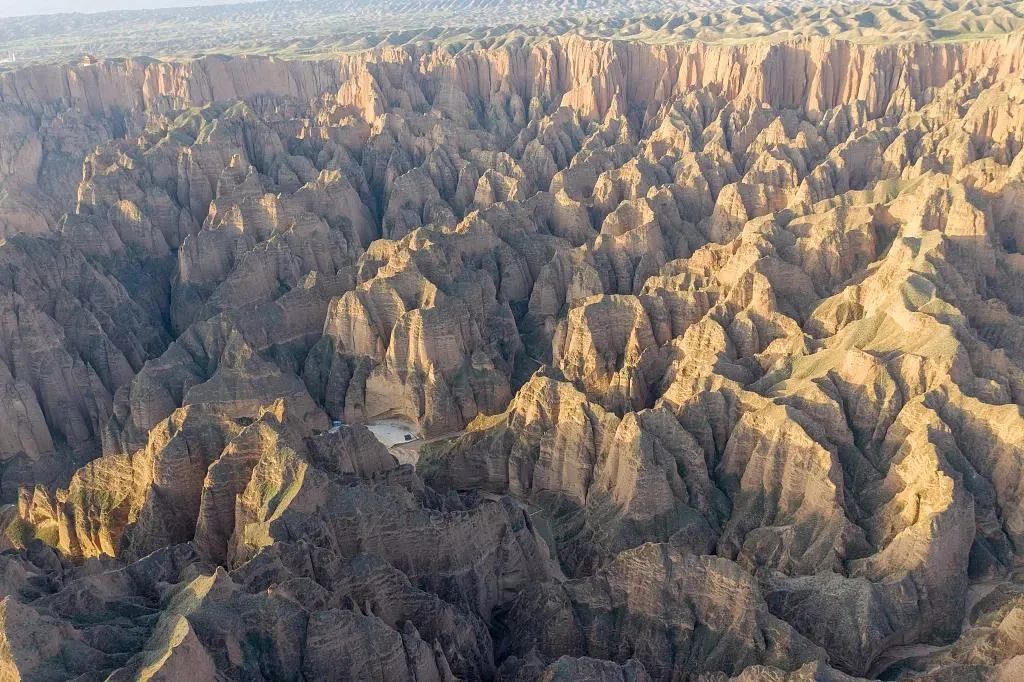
[(314, 28), (706, 320)]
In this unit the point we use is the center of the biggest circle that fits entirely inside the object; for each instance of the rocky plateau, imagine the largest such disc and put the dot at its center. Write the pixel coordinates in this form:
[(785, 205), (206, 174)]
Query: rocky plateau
[(714, 353)]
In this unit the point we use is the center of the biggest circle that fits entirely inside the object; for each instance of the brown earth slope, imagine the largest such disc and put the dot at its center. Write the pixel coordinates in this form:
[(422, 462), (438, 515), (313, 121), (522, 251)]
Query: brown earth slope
[(730, 339)]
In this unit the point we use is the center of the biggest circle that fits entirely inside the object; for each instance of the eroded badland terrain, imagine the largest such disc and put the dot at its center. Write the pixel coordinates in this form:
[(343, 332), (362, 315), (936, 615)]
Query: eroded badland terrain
[(711, 354)]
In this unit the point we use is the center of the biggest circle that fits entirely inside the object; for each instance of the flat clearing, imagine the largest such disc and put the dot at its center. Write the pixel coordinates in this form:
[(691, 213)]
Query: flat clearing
[(392, 431), (393, 434)]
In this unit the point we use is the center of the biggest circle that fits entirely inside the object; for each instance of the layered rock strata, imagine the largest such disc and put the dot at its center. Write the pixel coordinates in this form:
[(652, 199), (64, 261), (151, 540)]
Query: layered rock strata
[(715, 352)]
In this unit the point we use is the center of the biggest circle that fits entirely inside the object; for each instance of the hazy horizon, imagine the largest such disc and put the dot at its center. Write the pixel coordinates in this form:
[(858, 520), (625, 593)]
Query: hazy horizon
[(17, 8)]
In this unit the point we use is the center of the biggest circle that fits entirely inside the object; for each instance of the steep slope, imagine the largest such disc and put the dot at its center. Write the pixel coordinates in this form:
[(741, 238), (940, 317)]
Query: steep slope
[(715, 352)]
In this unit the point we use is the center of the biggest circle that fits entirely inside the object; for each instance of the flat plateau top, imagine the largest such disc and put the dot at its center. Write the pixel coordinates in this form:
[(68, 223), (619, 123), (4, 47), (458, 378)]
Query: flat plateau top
[(317, 28)]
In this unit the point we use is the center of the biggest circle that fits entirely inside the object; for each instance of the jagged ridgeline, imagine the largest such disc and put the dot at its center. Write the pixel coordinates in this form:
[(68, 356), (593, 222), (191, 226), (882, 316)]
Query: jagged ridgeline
[(709, 354)]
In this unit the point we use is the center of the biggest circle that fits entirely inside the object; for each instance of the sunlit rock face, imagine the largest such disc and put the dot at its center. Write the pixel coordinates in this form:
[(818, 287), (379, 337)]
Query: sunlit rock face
[(707, 358)]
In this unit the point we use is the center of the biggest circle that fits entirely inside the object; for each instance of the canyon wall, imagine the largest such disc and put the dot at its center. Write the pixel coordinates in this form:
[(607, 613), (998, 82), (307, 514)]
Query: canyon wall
[(813, 74), (714, 356)]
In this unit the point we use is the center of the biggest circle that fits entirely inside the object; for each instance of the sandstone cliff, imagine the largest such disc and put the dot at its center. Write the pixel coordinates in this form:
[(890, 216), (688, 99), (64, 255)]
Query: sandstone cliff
[(715, 352)]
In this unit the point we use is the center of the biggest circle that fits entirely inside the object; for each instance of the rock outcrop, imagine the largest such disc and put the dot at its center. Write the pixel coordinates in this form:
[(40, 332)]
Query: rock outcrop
[(713, 354)]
